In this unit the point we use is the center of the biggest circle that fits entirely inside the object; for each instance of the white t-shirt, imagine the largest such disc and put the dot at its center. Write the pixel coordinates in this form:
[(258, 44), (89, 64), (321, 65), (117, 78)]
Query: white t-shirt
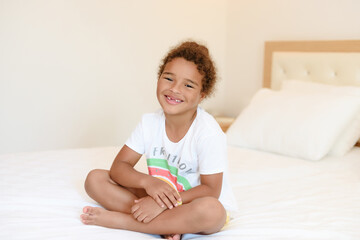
[(202, 150)]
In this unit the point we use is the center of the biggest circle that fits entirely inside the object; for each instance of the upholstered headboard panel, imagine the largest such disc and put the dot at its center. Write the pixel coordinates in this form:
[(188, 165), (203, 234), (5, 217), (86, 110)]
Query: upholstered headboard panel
[(330, 62)]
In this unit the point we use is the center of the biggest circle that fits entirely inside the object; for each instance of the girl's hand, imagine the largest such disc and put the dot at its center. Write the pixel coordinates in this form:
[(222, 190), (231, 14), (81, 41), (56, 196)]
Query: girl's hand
[(162, 193), (146, 209)]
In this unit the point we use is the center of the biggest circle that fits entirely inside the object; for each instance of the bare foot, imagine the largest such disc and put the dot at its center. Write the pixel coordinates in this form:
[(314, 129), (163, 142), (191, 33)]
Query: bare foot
[(172, 237), (102, 217)]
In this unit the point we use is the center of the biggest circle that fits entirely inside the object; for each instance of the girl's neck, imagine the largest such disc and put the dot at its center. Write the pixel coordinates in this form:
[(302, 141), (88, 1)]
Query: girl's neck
[(177, 126)]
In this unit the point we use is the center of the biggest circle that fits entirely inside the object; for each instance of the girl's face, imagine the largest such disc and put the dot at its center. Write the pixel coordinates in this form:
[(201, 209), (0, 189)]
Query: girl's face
[(179, 87)]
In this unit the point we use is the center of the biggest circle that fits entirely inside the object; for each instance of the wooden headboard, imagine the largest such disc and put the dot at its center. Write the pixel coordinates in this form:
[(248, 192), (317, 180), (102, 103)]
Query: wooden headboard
[(329, 62)]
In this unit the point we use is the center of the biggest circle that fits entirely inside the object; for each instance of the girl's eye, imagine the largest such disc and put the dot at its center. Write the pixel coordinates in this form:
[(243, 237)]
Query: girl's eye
[(169, 79), (188, 86)]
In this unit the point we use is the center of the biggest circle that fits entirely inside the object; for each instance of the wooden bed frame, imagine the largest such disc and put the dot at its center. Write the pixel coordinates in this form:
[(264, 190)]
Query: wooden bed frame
[(347, 50)]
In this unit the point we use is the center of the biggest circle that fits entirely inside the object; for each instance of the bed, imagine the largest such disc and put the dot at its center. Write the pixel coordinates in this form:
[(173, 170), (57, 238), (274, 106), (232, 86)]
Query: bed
[(281, 194)]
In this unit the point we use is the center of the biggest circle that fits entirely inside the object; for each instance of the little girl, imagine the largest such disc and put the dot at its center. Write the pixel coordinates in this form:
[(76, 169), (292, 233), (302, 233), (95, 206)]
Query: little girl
[(186, 190)]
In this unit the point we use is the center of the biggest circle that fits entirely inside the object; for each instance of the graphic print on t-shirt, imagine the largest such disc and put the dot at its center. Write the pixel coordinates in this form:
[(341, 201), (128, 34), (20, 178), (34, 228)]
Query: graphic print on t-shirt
[(161, 169)]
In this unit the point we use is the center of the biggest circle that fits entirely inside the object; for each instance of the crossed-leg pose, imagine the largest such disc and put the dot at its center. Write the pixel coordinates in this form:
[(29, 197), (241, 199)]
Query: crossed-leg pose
[(202, 215), (186, 158)]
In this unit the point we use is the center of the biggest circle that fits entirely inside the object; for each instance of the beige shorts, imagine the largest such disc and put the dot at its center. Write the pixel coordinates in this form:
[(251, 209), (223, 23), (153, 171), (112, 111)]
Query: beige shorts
[(226, 221)]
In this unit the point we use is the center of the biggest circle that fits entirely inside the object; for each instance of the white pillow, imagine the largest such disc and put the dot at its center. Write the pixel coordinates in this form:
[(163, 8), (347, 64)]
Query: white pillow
[(347, 139), (297, 86), (352, 132), (297, 125)]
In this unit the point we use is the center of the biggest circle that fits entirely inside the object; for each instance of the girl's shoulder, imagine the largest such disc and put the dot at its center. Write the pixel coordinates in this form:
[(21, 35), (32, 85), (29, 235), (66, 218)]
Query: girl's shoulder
[(206, 124)]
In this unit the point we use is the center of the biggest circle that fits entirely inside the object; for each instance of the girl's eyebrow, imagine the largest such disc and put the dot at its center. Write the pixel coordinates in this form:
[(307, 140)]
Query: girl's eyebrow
[(169, 73)]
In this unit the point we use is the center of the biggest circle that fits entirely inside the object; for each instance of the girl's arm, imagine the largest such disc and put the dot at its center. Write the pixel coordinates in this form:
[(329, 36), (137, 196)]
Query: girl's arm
[(210, 186), (122, 172)]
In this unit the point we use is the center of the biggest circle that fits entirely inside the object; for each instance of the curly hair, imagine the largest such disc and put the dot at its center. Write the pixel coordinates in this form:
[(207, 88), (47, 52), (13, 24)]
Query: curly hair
[(199, 55)]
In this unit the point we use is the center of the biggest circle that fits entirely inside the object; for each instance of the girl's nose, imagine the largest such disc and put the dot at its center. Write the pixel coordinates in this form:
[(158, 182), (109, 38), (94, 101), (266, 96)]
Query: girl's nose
[(175, 88)]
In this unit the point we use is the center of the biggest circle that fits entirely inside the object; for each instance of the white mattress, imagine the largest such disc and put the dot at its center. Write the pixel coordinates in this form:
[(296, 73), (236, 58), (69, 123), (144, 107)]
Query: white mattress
[(42, 195)]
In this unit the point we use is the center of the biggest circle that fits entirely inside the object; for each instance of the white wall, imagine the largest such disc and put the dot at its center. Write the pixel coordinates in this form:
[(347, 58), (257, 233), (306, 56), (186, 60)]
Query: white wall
[(80, 73), (252, 22)]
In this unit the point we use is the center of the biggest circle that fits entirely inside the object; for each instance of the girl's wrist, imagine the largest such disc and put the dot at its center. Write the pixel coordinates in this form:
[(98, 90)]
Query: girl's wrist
[(144, 181)]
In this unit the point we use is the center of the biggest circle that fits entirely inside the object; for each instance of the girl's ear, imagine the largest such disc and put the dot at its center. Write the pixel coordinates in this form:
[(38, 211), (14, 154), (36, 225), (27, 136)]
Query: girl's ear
[(202, 96)]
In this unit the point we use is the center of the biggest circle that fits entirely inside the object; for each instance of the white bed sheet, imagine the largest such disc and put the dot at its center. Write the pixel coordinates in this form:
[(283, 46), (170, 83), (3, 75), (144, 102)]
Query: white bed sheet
[(42, 195)]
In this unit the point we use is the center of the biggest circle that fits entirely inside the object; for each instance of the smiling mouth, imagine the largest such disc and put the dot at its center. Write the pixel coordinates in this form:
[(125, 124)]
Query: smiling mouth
[(173, 100)]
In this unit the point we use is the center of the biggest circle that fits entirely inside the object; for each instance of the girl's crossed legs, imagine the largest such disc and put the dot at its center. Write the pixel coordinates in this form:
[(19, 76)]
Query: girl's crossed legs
[(204, 215)]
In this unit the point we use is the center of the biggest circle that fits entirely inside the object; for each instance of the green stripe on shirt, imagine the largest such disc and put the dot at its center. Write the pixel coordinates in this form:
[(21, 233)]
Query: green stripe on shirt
[(162, 163)]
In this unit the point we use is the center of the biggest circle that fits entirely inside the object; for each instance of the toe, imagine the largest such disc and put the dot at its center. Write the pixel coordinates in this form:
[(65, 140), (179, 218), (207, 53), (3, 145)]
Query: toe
[(176, 237), (91, 210), (84, 218), (171, 237), (86, 209)]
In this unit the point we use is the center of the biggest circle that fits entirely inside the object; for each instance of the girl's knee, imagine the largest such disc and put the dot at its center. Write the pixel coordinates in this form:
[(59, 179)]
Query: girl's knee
[(95, 177), (211, 213), (209, 205)]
